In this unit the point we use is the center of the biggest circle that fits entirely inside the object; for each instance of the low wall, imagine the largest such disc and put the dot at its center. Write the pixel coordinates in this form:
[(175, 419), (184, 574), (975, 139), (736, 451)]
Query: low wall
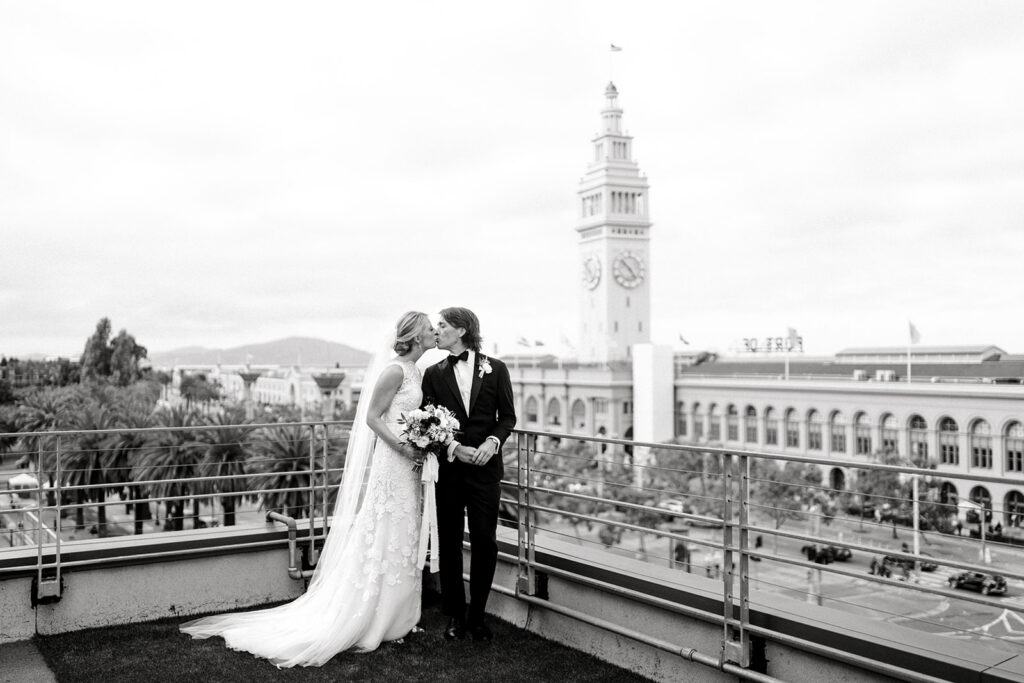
[(223, 569), (194, 574), (814, 643)]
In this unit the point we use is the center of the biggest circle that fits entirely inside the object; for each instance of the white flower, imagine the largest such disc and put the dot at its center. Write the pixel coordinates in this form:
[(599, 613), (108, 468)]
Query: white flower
[(485, 367)]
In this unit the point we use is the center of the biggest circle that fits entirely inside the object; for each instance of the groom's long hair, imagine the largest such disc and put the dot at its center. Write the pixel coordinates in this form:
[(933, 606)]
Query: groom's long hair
[(467, 320)]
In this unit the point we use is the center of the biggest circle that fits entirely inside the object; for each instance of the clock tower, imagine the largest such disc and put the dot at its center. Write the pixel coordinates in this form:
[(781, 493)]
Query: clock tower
[(614, 255)]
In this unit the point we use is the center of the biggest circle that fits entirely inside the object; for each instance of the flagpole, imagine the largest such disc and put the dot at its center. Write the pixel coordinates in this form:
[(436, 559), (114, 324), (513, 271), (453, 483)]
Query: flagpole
[(787, 359), (909, 371)]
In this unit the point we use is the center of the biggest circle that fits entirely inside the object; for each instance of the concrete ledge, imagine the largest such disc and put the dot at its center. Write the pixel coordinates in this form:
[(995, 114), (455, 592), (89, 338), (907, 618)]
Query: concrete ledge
[(222, 569), (141, 578), (821, 627)]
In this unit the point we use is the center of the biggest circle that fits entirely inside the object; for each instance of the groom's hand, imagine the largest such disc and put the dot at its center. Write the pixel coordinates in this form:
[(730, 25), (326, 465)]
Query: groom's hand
[(485, 452)]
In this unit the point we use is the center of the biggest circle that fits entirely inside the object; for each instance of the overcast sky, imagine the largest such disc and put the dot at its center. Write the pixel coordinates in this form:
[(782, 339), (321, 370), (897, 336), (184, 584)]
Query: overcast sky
[(220, 173)]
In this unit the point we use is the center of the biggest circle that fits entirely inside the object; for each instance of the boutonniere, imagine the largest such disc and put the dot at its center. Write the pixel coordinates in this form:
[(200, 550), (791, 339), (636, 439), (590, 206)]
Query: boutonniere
[(485, 367)]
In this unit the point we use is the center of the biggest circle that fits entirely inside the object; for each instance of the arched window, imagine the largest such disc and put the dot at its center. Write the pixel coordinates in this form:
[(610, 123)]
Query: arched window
[(1013, 445), (750, 425), (918, 441), (837, 432), (949, 442), (732, 423), (1014, 509), (813, 431), (837, 479), (698, 422), (554, 413), (531, 409), (948, 495), (862, 434), (981, 445), (579, 414), (680, 418), (983, 499), (890, 430), (771, 427), (792, 430), (714, 424)]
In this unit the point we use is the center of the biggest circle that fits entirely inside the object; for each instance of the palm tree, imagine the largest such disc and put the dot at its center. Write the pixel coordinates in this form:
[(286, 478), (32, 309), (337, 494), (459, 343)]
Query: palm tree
[(123, 451), (283, 451), (224, 455), (169, 455), (45, 410), (8, 426), (83, 464)]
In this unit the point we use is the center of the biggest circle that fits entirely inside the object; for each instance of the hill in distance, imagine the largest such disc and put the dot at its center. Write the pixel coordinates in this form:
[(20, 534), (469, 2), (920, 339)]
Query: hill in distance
[(291, 351)]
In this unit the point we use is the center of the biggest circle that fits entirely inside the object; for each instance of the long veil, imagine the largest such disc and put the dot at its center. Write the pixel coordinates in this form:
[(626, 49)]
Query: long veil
[(361, 442), (319, 623)]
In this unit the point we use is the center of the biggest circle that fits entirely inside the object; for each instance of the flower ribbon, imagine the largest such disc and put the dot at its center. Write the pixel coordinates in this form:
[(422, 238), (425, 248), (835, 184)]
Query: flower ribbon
[(428, 527)]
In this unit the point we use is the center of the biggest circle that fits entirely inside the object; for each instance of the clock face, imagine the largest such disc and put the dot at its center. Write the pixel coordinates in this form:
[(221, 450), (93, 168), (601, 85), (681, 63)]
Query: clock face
[(628, 269), (591, 271)]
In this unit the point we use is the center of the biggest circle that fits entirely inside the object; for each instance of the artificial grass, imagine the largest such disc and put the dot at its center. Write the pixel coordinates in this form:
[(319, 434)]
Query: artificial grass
[(156, 651)]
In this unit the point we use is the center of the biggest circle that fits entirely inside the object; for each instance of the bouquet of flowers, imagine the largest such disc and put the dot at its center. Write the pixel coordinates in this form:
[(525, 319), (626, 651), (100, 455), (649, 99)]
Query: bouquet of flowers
[(429, 429)]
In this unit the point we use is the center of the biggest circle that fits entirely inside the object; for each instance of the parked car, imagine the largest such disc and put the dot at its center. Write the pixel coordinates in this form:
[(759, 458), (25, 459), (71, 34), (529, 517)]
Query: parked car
[(840, 554), (825, 555), (979, 581)]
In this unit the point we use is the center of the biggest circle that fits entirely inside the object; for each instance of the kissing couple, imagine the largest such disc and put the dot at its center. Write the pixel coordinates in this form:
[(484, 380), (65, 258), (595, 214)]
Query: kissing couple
[(367, 585)]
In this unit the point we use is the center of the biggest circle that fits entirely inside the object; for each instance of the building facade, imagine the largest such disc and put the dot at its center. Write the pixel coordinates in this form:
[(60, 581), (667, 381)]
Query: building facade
[(952, 409)]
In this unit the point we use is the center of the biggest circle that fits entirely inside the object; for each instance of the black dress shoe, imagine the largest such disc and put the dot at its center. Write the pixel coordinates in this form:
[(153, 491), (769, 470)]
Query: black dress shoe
[(480, 633), (456, 629)]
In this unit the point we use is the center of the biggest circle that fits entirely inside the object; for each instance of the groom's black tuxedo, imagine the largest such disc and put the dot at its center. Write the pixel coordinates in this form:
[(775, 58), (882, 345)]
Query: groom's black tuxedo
[(471, 490)]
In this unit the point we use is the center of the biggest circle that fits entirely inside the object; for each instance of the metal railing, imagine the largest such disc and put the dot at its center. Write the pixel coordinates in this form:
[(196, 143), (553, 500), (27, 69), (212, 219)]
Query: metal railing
[(625, 498), (622, 486), (284, 467)]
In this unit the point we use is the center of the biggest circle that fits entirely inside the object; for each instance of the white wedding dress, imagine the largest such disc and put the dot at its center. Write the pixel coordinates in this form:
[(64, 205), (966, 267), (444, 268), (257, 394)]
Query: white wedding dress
[(364, 592)]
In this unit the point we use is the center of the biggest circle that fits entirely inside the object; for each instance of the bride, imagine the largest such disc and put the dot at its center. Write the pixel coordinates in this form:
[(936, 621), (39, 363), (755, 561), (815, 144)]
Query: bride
[(366, 587)]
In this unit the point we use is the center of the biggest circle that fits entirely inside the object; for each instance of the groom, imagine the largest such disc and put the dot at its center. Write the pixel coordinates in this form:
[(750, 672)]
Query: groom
[(477, 388)]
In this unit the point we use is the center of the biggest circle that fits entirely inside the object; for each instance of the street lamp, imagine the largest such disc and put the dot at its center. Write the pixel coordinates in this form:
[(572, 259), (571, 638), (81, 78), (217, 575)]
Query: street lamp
[(328, 382), (249, 377)]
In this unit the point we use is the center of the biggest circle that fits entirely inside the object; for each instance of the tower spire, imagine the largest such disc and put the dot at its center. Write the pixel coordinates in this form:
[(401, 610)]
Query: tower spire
[(614, 228)]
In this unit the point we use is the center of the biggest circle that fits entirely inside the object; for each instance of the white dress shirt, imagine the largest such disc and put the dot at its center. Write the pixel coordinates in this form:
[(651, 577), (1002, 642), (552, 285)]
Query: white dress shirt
[(464, 378)]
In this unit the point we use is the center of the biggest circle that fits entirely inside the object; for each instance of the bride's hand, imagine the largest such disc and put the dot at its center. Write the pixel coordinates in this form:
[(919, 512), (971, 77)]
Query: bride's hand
[(413, 454)]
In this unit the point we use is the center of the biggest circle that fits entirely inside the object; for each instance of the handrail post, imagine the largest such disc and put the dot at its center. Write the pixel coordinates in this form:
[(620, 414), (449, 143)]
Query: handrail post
[(744, 636), (327, 482), (311, 557), (734, 640), (39, 508), (526, 582), (47, 588)]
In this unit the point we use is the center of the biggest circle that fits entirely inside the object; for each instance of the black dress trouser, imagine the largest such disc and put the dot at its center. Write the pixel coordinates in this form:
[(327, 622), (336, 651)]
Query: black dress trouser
[(462, 494)]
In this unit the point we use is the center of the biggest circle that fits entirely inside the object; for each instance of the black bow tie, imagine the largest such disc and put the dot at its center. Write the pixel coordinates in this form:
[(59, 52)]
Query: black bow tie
[(453, 359)]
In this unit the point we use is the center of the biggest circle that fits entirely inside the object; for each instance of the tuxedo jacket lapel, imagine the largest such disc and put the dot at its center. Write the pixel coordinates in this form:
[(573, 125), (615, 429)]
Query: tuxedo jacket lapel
[(475, 390), (453, 385)]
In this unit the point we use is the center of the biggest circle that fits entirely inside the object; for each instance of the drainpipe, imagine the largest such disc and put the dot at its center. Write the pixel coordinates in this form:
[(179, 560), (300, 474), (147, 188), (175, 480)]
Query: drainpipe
[(294, 564)]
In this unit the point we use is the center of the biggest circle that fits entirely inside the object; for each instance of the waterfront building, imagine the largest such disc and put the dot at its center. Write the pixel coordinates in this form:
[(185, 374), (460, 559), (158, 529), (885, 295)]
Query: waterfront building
[(950, 409)]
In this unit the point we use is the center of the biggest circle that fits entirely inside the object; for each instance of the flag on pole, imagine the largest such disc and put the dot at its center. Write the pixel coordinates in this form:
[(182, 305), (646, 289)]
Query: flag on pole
[(682, 339), (616, 48), (915, 336), (792, 337), (537, 342), (523, 341)]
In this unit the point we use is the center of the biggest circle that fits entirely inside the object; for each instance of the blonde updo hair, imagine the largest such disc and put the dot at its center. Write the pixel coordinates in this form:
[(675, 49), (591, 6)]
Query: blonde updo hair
[(408, 330)]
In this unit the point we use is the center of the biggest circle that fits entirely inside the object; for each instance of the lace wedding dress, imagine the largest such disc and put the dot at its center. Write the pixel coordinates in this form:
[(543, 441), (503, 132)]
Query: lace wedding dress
[(364, 592)]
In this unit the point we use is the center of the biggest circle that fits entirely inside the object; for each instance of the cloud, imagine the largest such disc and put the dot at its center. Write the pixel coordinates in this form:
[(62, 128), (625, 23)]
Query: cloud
[(264, 173)]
